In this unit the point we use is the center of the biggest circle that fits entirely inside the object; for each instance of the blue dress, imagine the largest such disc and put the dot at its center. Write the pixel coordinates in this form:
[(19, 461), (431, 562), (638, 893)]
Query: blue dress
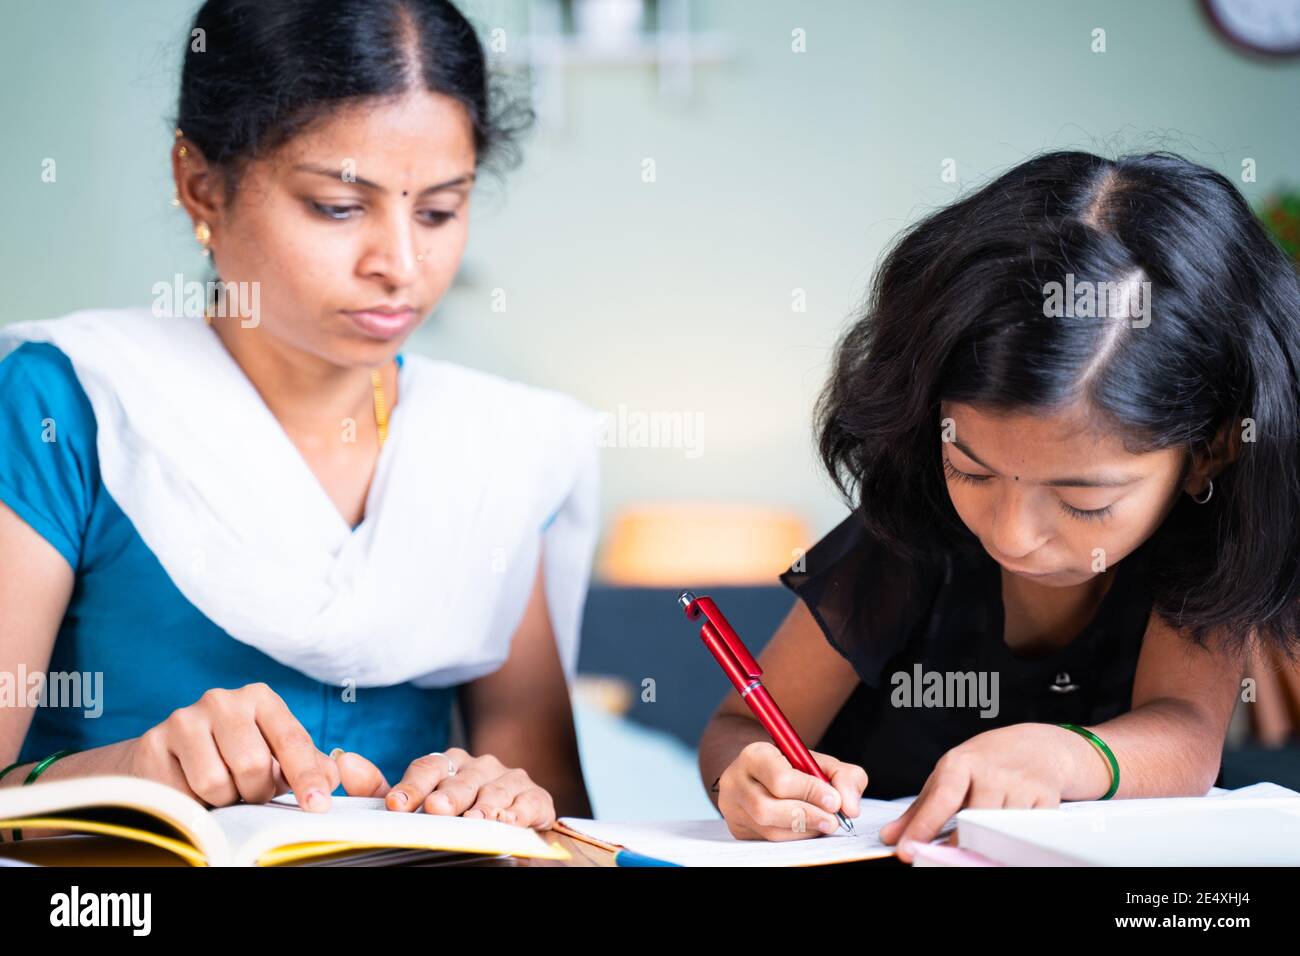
[(126, 619)]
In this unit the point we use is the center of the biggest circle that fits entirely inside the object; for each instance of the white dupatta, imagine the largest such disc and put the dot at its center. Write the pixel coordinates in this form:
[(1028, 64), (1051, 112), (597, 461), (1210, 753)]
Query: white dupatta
[(428, 588)]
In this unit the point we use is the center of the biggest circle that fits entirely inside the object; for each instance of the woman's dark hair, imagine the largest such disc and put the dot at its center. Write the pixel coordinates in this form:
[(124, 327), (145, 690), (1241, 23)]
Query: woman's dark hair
[(957, 313), (261, 71)]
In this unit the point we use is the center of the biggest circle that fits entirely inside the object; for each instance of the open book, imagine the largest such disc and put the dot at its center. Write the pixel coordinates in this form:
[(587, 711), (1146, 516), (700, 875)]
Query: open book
[(268, 834)]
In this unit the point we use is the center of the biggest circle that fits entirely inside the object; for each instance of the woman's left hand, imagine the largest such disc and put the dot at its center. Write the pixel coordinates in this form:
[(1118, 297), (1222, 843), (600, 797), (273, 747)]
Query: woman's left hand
[(1018, 767), (480, 788)]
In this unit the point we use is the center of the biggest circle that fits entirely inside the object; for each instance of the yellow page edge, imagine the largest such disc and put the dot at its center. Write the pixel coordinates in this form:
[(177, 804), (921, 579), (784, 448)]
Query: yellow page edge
[(187, 852)]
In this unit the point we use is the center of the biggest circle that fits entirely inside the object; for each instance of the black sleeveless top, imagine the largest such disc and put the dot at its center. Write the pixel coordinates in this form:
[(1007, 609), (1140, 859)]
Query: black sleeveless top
[(946, 615)]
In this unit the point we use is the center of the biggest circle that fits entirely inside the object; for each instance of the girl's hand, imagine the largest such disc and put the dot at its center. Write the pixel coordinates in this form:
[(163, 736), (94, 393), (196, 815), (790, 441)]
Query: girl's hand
[(1023, 766), (481, 788), (762, 797), (234, 745)]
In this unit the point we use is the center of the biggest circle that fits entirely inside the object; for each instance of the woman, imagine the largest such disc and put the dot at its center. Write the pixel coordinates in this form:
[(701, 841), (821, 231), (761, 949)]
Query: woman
[(287, 547), (1068, 427)]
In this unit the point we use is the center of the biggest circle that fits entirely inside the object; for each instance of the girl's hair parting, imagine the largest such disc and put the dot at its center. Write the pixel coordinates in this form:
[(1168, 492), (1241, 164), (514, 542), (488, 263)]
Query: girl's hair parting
[(965, 308)]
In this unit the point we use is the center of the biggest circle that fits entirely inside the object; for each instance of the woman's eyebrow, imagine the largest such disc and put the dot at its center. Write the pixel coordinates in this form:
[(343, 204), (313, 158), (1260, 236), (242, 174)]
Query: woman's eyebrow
[(337, 176), (1093, 481)]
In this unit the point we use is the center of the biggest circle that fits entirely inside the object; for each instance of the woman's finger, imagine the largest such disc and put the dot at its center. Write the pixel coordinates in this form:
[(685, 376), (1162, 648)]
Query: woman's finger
[(455, 795), (311, 774), (422, 775), (359, 776), (532, 807), (498, 793), (247, 757), (281, 785), (206, 773)]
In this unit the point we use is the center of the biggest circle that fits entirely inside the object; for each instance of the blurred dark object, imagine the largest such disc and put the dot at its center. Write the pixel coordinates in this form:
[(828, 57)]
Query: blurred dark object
[(639, 634)]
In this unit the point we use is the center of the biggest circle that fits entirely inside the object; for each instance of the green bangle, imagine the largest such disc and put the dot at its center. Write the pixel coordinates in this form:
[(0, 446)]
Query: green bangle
[(1105, 752), (40, 767), (36, 772)]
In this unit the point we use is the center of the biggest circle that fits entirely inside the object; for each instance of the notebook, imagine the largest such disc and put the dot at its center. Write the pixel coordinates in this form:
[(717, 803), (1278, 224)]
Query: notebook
[(271, 834), (1253, 826), (710, 843)]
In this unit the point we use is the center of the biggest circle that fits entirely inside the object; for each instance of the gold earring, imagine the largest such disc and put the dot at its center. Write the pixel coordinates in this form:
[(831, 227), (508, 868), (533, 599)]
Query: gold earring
[(203, 233), (176, 197)]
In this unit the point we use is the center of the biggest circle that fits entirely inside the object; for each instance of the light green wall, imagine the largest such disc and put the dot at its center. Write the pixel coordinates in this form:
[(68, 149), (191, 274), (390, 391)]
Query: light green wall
[(785, 170)]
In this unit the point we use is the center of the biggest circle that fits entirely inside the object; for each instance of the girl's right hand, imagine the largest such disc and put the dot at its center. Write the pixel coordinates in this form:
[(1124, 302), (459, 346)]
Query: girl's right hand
[(762, 797), (234, 745)]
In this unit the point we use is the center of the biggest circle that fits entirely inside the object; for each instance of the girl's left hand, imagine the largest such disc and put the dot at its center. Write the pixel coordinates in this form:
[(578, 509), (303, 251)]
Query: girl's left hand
[(1018, 767), (480, 788)]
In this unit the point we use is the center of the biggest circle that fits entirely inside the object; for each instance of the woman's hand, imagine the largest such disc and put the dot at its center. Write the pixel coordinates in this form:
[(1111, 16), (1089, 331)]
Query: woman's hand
[(1024, 766), (234, 745), (480, 788), (762, 797)]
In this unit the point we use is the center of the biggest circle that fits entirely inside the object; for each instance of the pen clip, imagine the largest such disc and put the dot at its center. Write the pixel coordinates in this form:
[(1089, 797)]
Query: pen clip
[(717, 628)]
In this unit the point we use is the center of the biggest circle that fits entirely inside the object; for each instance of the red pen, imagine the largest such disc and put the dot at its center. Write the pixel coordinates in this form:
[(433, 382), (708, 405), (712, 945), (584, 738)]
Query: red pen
[(743, 672)]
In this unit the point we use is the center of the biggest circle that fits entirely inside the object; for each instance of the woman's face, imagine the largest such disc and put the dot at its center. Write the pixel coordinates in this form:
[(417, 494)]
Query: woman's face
[(367, 209), (1049, 496)]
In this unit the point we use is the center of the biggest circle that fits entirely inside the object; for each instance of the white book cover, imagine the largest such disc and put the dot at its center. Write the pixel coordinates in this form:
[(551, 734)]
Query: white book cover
[(1254, 826)]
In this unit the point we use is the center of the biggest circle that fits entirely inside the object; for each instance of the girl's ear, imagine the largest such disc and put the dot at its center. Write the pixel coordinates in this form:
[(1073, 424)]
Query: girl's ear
[(1209, 461)]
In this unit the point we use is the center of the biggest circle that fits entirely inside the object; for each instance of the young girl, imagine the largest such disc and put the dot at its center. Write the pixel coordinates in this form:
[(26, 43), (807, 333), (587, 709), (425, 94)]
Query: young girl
[(283, 549), (1067, 425)]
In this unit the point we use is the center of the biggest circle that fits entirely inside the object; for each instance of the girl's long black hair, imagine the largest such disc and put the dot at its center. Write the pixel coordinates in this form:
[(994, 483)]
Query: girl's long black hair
[(957, 313)]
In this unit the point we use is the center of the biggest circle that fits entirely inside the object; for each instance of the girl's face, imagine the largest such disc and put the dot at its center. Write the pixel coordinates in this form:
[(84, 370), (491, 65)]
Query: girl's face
[(1052, 500), (367, 209)]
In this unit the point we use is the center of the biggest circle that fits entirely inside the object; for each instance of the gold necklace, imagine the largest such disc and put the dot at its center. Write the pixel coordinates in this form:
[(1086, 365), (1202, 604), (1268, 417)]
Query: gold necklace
[(381, 409)]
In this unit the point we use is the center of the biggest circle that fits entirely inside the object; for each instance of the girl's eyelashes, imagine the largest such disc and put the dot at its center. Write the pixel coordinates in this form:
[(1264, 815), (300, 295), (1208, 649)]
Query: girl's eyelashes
[(1095, 514), (434, 217), (956, 475)]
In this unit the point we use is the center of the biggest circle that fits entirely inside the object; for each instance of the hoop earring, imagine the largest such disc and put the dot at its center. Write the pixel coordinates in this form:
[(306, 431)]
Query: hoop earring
[(1209, 491)]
